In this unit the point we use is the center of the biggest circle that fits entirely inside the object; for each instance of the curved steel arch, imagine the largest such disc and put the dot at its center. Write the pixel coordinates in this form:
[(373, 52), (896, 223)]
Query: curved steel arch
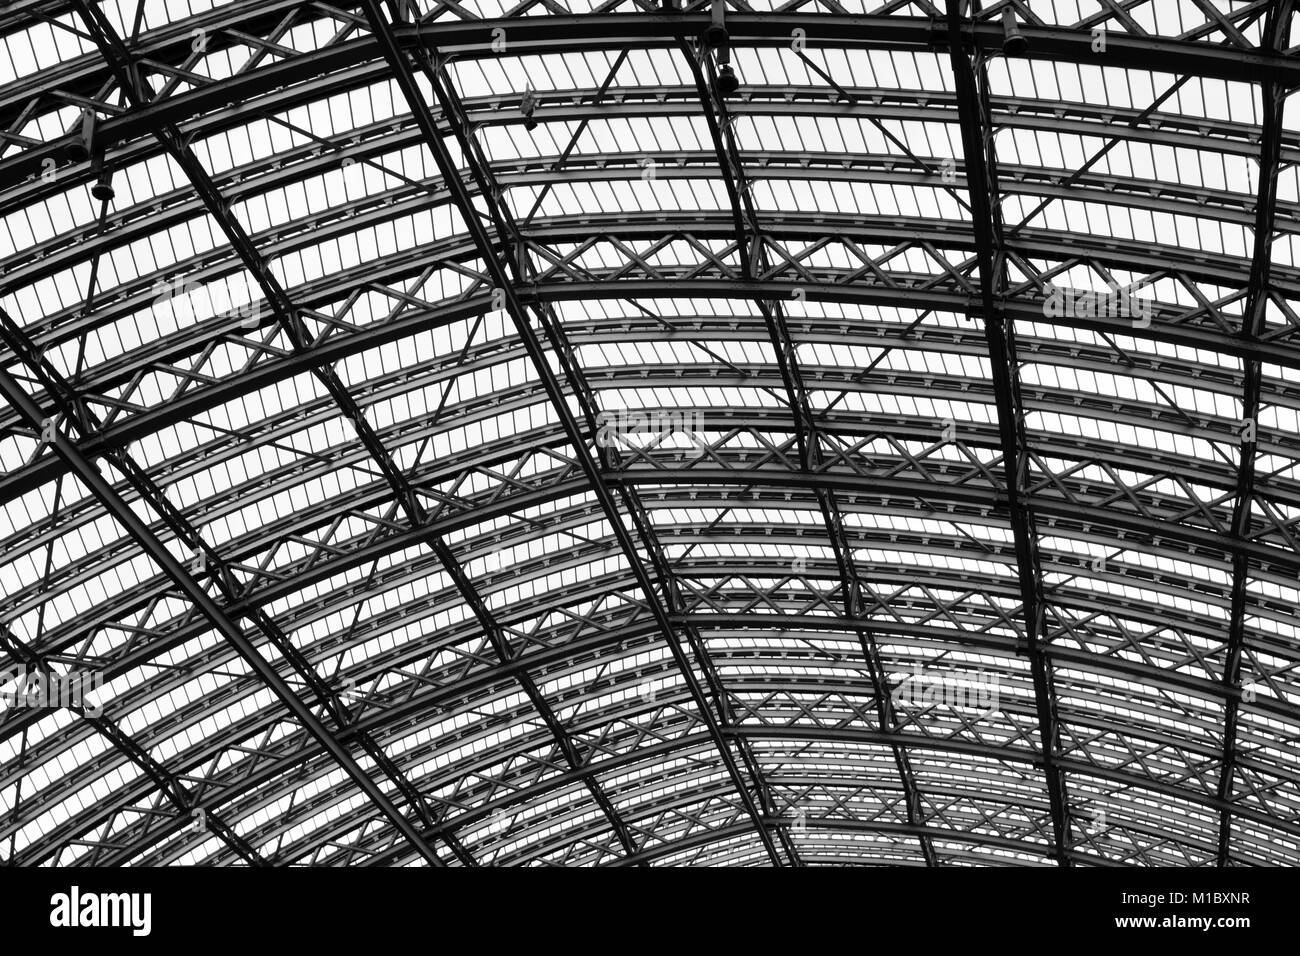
[(475, 590)]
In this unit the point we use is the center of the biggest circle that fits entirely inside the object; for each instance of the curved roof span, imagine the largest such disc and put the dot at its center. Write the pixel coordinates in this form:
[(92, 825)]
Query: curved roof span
[(820, 432)]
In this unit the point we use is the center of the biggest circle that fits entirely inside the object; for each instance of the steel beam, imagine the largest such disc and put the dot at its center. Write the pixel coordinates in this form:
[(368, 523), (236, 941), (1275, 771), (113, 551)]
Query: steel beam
[(1276, 37), (751, 251), (928, 834), (982, 185), (675, 748), (689, 483), (1143, 673), (172, 45), (82, 244), (956, 542), (939, 290), (991, 584), (20, 186), (436, 701), (1217, 477), (683, 749), (136, 421), (1028, 757)]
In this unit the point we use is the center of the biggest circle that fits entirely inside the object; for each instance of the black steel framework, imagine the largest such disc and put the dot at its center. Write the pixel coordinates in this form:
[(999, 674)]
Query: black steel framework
[(980, 164), (364, 578)]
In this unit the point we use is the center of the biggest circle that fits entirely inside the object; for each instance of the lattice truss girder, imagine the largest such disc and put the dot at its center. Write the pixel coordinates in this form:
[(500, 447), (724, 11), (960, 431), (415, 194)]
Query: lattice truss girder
[(515, 673)]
